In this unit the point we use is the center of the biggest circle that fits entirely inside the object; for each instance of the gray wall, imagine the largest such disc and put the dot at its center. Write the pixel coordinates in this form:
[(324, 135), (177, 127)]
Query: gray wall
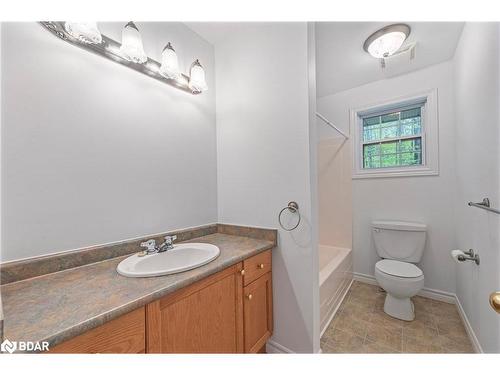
[(478, 175), (94, 152), (263, 117)]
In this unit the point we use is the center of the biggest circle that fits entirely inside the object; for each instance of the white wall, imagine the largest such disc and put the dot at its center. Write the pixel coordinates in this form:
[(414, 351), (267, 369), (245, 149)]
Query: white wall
[(427, 199), (94, 152), (478, 166), (263, 115)]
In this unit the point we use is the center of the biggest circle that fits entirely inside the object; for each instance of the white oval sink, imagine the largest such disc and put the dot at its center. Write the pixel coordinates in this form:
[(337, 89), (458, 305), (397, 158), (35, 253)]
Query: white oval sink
[(182, 257)]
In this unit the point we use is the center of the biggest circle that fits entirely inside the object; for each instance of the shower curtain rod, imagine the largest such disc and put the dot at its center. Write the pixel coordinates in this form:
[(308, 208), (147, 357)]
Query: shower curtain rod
[(331, 125)]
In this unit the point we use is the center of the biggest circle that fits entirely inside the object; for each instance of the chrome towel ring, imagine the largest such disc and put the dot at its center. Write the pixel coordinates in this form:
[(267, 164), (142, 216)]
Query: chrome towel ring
[(293, 207)]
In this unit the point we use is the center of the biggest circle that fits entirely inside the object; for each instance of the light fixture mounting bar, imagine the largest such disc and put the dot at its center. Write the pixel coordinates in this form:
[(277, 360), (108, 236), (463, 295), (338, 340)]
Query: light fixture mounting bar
[(110, 49)]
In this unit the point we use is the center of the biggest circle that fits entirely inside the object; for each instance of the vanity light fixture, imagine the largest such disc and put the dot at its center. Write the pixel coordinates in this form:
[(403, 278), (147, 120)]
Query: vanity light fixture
[(131, 47), (169, 63), (386, 41), (197, 81), (131, 54), (84, 32)]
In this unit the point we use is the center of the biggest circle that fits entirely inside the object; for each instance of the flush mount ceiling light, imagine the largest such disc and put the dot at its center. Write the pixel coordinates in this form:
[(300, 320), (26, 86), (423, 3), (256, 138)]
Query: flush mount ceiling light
[(169, 63), (197, 77), (130, 53), (386, 41), (84, 32), (131, 47)]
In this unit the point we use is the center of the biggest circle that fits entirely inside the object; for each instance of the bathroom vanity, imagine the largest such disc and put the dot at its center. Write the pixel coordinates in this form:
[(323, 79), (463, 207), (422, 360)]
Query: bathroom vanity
[(222, 307), (228, 312)]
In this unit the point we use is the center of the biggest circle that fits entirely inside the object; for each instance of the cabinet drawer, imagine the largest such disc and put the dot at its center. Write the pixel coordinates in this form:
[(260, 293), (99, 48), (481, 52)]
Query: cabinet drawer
[(256, 266), (126, 334)]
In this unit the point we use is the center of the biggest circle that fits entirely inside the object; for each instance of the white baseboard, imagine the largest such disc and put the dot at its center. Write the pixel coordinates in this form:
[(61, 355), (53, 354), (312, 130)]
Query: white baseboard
[(435, 294), (273, 347), (438, 295), (473, 338)]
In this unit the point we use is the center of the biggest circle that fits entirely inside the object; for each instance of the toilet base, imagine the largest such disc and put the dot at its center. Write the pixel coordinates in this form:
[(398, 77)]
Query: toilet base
[(400, 308)]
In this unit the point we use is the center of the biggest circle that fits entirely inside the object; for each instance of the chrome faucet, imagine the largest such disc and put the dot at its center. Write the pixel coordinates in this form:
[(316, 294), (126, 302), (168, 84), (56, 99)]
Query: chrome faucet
[(168, 244), (151, 247)]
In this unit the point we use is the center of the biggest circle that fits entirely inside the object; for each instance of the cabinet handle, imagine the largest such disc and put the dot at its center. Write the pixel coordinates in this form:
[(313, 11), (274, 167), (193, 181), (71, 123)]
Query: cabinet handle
[(249, 296), (242, 272), (261, 266)]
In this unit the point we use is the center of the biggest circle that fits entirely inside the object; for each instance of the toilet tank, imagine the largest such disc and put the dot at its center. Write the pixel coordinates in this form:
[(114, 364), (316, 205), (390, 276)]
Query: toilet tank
[(399, 240)]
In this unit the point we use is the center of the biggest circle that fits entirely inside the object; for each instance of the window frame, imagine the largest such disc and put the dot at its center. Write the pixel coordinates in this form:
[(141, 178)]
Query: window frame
[(429, 136)]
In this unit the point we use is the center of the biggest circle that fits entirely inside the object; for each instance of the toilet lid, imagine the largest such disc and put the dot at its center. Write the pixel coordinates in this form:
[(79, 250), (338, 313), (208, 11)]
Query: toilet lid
[(397, 268)]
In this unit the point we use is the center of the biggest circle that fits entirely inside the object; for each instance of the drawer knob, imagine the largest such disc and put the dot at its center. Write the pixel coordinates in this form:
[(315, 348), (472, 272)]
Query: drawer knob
[(249, 296), (242, 272), (261, 266)]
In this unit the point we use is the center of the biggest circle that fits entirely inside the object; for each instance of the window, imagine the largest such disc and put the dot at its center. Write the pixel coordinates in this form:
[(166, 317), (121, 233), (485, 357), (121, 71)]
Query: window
[(393, 139), (396, 139)]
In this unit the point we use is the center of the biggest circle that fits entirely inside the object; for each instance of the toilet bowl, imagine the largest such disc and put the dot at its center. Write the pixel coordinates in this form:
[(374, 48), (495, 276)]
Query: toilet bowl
[(400, 245), (401, 281)]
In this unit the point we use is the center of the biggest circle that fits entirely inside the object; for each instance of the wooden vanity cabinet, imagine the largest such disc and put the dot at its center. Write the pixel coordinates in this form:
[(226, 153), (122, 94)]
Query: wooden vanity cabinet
[(230, 311), (202, 318)]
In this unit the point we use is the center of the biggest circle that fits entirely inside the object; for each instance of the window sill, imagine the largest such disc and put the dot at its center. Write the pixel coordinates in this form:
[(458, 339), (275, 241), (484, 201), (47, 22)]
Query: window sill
[(414, 172)]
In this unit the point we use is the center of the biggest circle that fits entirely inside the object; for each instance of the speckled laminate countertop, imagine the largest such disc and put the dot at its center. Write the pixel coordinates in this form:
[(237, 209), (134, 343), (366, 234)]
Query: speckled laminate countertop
[(62, 305)]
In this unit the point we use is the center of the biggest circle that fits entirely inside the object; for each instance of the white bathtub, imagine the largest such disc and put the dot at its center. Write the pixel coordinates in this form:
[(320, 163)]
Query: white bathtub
[(335, 276)]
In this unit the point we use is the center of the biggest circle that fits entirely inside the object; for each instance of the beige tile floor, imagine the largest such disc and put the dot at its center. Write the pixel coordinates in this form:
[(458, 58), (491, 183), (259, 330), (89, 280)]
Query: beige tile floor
[(361, 326)]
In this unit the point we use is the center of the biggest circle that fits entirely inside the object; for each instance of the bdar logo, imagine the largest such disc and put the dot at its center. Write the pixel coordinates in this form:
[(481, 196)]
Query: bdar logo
[(8, 346)]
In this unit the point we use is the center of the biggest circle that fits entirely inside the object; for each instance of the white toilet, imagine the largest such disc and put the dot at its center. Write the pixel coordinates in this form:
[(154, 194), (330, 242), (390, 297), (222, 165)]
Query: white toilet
[(400, 244)]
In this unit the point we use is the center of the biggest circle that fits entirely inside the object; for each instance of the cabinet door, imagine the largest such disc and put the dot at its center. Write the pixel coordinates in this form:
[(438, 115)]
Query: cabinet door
[(125, 334), (206, 317), (258, 313)]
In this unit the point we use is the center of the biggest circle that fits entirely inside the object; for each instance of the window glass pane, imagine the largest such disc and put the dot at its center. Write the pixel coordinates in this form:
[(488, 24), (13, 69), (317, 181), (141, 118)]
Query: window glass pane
[(410, 145), (411, 158), (371, 156), (372, 162), (410, 113), (391, 117), (390, 132), (371, 133), (390, 160), (371, 128), (371, 120), (411, 126), (373, 149), (389, 148)]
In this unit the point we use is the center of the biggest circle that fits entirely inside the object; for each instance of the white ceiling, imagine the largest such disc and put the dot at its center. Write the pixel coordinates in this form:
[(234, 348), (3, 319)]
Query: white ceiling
[(341, 62)]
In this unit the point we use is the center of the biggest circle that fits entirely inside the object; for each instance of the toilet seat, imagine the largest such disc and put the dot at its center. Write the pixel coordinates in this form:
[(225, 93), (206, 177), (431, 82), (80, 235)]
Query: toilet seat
[(398, 268)]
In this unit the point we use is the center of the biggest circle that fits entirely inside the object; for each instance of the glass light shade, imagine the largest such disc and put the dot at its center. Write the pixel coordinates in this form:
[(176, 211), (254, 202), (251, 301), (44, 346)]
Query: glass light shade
[(197, 77), (131, 47), (387, 44), (84, 32), (169, 63)]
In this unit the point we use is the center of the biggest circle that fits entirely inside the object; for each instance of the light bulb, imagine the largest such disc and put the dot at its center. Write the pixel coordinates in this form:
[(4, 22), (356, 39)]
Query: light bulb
[(197, 81), (386, 45), (131, 47), (84, 32), (169, 63)]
